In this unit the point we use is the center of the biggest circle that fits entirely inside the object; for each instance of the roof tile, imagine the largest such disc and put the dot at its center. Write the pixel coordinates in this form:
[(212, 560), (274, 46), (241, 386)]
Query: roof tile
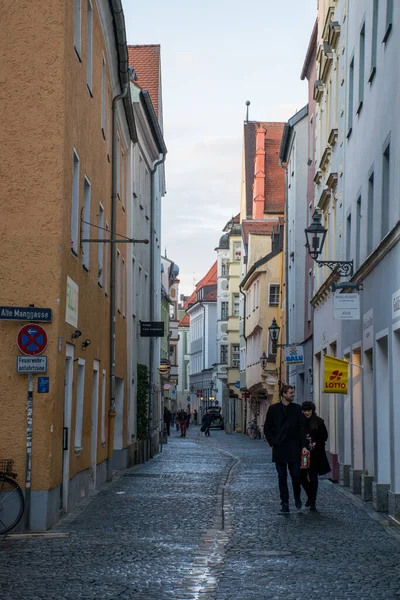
[(145, 60)]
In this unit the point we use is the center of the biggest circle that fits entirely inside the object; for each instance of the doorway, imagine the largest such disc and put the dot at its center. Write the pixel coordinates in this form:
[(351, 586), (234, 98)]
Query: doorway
[(95, 422), (66, 437)]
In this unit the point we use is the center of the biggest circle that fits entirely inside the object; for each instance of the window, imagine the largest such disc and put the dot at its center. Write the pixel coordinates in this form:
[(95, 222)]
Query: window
[(311, 142), (77, 28), (103, 97), (106, 259), (389, 20), (123, 280), (103, 407), (172, 312), (100, 245), (89, 66), (75, 206), (235, 356), (374, 40), (223, 358), (80, 395), (224, 268), (361, 70), (224, 311), (370, 215), (123, 179), (237, 251), (254, 295), (385, 190), (133, 288), (348, 237), (351, 98), (86, 224), (235, 304), (274, 294), (172, 354), (310, 290), (358, 232), (118, 281)]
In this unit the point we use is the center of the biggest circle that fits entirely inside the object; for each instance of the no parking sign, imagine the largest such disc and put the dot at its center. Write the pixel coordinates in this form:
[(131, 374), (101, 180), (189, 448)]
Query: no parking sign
[(32, 339)]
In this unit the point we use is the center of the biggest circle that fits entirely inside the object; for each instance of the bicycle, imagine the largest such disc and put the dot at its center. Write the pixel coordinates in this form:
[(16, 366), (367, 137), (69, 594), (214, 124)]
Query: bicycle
[(12, 501), (253, 431)]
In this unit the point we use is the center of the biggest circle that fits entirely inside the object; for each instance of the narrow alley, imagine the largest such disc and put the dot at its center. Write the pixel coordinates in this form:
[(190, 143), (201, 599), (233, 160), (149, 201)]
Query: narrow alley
[(201, 521)]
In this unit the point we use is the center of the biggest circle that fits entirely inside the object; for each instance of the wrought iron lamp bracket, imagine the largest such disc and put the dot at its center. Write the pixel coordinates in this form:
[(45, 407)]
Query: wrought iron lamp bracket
[(342, 268)]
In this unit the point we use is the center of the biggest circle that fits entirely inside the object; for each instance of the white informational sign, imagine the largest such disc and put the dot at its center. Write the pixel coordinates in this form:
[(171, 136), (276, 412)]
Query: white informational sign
[(368, 329), (396, 305), (346, 307), (71, 311), (31, 364), (294, 355)]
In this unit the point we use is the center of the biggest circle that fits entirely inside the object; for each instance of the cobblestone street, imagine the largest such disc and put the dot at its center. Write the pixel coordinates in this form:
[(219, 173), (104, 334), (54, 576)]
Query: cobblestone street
[(201, 521)]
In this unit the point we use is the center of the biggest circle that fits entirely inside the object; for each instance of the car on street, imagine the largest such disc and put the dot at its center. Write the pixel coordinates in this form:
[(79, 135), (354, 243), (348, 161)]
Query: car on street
[(218, 422)]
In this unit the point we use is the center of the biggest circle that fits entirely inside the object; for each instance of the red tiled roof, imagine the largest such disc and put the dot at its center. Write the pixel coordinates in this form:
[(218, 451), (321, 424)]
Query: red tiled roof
[(257, 228), (211, 297), (146, 62), (185, 321)]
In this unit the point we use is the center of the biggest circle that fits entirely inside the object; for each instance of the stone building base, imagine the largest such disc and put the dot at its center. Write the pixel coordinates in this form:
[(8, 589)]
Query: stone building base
[(366, 487), (344, 475), (355, 481), (380, 496), (394, 505)]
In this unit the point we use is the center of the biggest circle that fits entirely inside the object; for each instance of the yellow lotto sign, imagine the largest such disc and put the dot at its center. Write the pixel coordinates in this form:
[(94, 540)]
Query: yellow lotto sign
[(336, 375)]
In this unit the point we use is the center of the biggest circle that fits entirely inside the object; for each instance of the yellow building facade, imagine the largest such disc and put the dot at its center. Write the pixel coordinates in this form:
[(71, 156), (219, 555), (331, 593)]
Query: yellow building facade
[(62, 184)]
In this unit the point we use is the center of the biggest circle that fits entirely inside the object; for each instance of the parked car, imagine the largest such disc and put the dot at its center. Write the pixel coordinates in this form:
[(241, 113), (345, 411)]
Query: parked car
[(218, 422)]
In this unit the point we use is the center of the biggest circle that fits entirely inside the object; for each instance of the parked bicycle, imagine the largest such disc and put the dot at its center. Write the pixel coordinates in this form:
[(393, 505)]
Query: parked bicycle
[(254, 431), (11, 497)]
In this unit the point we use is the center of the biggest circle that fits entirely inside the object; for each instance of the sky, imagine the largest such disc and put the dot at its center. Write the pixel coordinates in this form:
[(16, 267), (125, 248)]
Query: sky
[(216, 55)]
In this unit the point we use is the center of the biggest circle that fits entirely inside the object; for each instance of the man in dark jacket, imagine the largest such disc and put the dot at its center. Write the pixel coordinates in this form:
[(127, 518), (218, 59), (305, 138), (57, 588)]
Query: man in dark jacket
[(284, 430)]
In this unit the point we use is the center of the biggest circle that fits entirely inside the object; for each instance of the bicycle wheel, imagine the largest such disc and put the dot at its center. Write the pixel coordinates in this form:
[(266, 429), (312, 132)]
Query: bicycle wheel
[(11, 503)]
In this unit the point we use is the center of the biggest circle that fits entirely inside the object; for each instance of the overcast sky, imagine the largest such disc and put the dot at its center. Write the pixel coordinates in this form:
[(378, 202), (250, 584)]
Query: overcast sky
[(215, 55)]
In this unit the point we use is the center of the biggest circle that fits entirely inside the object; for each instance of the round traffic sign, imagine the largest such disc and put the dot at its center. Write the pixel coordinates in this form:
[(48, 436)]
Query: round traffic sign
[(32, 339)]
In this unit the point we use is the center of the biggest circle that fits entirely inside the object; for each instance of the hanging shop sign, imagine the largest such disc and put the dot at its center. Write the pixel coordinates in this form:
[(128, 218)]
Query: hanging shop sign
[(346, 307), (152, 329), (294, 355), (336, 375)]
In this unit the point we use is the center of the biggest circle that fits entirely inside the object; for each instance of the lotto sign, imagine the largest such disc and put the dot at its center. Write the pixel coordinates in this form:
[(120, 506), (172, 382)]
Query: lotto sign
[(336, 375), (294, 355), (32, 339)]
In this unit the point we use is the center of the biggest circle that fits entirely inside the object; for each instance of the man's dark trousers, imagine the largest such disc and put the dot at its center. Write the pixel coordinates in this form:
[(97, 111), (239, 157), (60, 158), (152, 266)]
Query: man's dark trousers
[(294, 470)]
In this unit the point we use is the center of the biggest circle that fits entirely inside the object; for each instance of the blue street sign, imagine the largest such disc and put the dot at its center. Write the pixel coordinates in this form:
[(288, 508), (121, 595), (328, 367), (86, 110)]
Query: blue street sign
[(237, 384), (43, 385), (25, 313)]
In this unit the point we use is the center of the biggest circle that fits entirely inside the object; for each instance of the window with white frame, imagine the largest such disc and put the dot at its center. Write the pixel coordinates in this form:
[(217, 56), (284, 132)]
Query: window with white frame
[(100, 245), (374, 41), (274, 294), (123, 285), (224, 310), (223, 357), (80, 395), (235, 356), (86, 223), (235, 305), (103, 96), (224, 268), (237, 251), (77, 28), (75, 205), (118, 281), (103, 407), (243, 358), (361, 69), (89, 47), (106, 259)]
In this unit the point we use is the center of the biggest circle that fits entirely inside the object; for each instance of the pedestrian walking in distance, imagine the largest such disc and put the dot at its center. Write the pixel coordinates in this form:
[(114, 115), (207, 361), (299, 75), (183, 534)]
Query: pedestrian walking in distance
[(167, 420), (206, 423), (317, 435), (284, 429), (182, 420), (195, 416)]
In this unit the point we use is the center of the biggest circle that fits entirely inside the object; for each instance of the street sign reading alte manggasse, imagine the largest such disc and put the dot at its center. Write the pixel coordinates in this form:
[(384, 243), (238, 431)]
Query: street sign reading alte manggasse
[(25, 313)]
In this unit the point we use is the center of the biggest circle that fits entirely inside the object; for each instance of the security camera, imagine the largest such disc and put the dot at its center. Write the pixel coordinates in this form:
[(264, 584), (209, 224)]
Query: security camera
[(76, 334), (86, 343)]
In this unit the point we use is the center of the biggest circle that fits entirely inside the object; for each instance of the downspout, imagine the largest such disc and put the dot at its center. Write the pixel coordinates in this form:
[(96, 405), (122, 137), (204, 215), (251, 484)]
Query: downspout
[(158, 162)]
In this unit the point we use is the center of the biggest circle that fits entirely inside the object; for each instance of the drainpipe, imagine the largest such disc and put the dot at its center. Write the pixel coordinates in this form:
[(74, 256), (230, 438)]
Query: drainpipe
[(158, 162)]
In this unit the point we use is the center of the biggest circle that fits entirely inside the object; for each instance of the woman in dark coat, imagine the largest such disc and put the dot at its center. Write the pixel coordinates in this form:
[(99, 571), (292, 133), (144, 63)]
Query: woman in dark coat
[(317, 435)]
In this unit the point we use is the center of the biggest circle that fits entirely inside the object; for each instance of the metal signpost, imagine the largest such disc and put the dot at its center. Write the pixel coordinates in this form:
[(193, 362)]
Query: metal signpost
[(31, 341)]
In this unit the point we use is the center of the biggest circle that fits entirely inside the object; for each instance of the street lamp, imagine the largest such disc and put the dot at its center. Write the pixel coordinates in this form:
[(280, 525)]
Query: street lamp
[(315, 239)]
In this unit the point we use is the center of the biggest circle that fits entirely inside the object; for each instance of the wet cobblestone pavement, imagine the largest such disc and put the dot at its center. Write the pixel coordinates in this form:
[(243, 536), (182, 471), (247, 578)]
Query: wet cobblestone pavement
[(200, 522)]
